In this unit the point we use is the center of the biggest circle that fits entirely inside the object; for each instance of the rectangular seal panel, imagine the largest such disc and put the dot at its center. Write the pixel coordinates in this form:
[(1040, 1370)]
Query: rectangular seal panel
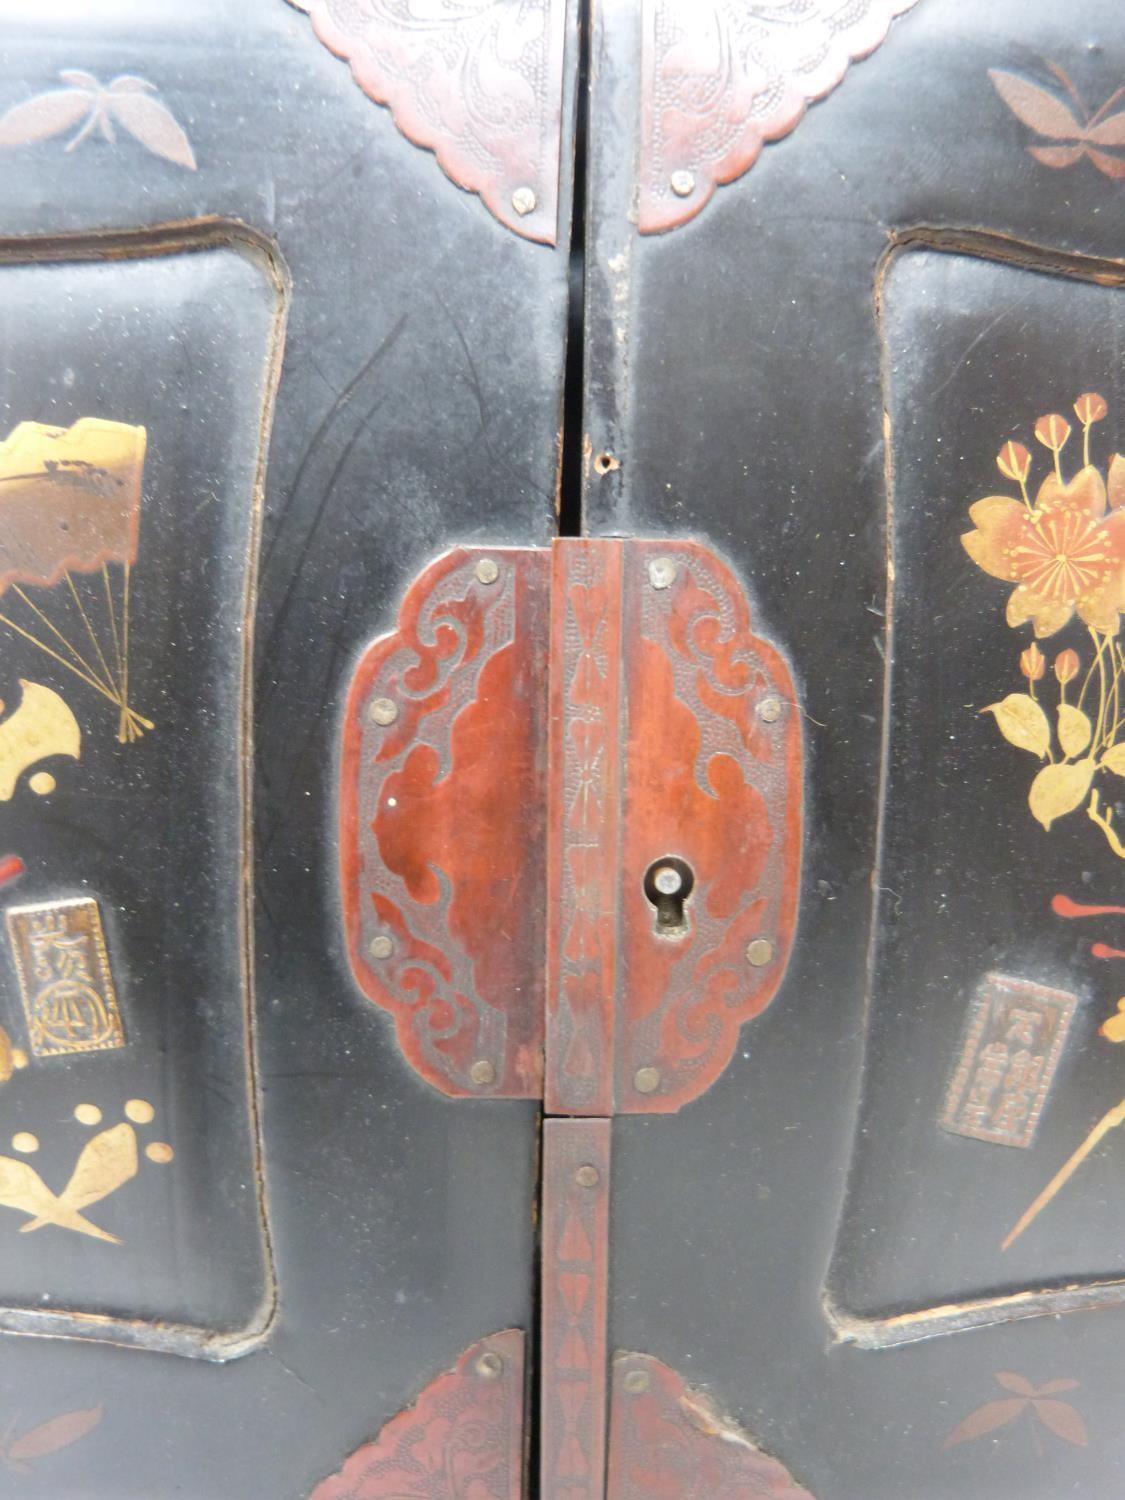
[(65, 979), (1012, 1047)]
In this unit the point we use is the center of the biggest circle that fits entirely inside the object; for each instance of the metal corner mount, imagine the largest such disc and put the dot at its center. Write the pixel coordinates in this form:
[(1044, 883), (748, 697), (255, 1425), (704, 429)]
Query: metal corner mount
[(720, 78), (480, 84)]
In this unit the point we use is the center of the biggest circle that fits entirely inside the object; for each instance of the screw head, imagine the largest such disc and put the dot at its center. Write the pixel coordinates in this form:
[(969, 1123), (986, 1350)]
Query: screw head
[(667, 880), (759, 952), (524, 201), (636, 1381), (683, 183), (383, 711), (381, 946), (482, 1072), (662, 572), (646, 1080), (769, 709), (489, 1365), (487, 570), (587, 1176)]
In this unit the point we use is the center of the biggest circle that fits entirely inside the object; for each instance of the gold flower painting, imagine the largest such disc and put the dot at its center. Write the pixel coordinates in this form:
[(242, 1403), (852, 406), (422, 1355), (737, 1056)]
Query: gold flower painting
[(1061, 542)]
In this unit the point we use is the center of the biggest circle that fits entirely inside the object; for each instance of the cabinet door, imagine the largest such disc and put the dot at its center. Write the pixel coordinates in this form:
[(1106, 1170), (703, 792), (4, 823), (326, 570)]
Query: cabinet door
[(262, 360), (871, 352)]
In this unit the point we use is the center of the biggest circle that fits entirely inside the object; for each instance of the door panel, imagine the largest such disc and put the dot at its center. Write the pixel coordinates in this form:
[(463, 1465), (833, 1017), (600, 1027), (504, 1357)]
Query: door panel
[(953, 817), (413, 403), (124, 655), (813, 368)]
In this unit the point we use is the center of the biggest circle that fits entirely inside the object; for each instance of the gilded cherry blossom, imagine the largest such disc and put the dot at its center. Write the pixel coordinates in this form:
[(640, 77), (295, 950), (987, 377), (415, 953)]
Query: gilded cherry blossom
[(1064, 554)]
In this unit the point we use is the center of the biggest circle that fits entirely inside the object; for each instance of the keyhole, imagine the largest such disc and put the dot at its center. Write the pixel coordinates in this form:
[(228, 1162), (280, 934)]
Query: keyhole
[(668, 884)]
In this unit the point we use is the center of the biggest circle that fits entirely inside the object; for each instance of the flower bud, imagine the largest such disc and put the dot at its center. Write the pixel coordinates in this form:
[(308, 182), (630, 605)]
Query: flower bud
[(1052, 431), (1014, 461), (1033, 663), (1090, 407), (1066, 665)]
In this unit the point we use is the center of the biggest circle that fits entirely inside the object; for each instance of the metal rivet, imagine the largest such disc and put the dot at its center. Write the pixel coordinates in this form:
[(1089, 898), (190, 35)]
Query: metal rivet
[(647, 1080), (587, 1177), (662, 572), (524, 200), (683, 183), (489, 1365), (667, 879), (381, 947), (770, 709), (759, 952), (487, 570), (482, 1072), (635, 1382), (383, 711)]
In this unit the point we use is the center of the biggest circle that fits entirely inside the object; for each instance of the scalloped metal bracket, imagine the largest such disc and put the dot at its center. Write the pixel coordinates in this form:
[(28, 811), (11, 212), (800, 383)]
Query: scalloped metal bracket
[(720, 78), (478, 82)]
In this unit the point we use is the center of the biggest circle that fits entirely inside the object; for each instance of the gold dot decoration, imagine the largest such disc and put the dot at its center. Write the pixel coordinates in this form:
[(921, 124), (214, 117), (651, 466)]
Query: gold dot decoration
[(24, 1141), (88, 1114), (19, 1058), (159, 1152), (140, 1111), (42, 783)]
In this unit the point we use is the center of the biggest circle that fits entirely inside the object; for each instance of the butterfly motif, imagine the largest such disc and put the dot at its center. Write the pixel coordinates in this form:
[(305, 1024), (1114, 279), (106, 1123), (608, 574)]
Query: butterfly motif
[(106, 1162), (127, 101), (1066, 122)]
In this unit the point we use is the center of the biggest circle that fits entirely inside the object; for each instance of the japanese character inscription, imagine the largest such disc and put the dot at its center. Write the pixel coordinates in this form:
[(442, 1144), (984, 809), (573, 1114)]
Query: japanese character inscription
[(65, 980), (1012, 1047)]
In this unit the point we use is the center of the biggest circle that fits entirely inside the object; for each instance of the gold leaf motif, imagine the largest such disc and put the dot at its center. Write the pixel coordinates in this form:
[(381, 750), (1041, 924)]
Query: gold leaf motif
[(1114, 759), (1075, 729), (1022, 722), (1116, 481), (1113, 1028), (1058, 790)]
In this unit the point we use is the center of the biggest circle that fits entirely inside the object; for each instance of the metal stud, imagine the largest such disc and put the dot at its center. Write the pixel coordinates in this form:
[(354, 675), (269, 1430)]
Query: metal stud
[(662, 572), (587, 1176), (647, 1080), (381, 946), (636, 1381), (383, 711), (487, 570), (760, 952), (524, 201), (489, 1365), (770, 709), (683, 183), (482, 1072)]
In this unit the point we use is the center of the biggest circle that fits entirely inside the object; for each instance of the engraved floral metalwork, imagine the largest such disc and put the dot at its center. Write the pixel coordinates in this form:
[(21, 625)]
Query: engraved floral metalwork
[(723, 77), (462, 1440), (478, 82), (670, 1441)]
